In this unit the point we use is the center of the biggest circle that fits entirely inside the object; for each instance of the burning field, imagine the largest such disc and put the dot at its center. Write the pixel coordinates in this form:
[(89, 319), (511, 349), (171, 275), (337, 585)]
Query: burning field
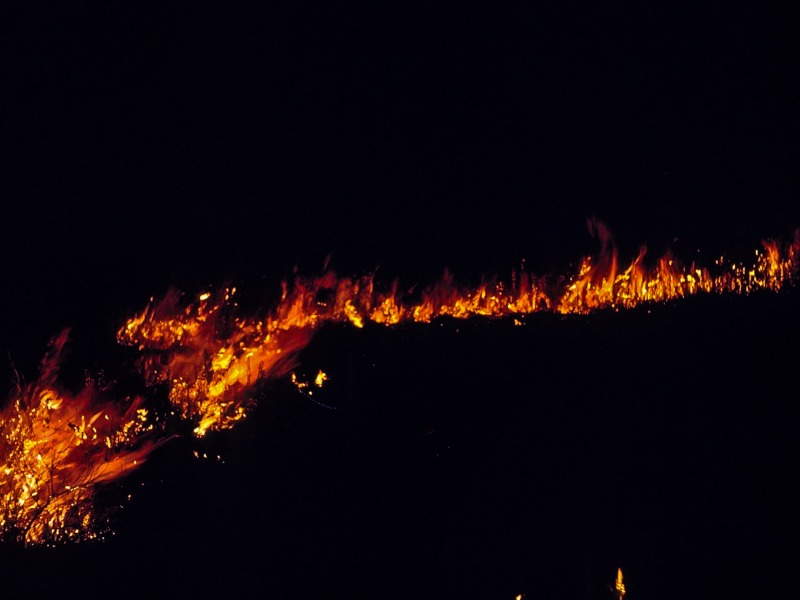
[(479, 437)]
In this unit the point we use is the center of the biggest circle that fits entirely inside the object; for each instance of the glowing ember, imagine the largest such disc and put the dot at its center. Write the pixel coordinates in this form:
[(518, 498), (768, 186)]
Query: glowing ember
[(305, 387), (211, 359), (57, 448)]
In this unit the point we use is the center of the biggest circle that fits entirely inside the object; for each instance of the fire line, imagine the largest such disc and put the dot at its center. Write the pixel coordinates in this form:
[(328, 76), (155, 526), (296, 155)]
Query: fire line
[(57, 448), (211, 358)]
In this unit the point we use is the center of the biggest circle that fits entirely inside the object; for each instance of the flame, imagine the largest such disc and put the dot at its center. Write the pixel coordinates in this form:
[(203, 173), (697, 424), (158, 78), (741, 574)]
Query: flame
[(56, 448), (619, 586), (304, 387), (212, 359), (320, 379), (601, 284)]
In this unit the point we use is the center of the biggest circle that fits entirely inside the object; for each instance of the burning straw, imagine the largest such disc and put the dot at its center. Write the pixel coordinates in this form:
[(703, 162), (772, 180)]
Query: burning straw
[(57, 449), (211, 358)]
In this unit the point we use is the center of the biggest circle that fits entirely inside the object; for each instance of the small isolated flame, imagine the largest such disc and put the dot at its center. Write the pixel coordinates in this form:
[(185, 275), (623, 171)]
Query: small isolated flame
[(211, 358), (619, 586), (305, 386), (320, 379), (56, 448)]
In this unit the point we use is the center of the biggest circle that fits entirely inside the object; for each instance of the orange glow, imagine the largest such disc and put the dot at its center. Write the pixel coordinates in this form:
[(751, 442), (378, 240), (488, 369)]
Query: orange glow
[(57, 448), (211, 358)]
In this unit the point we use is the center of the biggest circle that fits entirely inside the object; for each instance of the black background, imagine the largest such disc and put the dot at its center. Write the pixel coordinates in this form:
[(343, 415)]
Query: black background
[(168, 144)]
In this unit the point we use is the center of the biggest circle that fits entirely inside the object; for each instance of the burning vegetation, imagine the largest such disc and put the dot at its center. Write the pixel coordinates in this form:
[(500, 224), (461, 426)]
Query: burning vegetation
[(211, 358), (57, 449), (603, 283)]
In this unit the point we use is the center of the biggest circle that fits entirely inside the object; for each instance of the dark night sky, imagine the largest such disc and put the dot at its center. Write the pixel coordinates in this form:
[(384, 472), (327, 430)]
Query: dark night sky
[(144, 147)]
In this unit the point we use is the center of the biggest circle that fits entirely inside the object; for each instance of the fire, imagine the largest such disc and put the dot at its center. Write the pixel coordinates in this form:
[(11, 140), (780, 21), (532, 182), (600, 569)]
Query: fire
[(212, 359), (601, 283), (57, 448), (320, 379), (305, 386), (619, 586)]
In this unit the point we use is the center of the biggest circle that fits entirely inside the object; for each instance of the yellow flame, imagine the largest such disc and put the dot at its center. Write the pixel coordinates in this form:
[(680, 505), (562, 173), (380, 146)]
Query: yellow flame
[(619, 586), (320, 379)]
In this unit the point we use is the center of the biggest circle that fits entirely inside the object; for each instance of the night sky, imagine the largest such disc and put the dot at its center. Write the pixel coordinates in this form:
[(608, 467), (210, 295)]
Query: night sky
[(145, 147)]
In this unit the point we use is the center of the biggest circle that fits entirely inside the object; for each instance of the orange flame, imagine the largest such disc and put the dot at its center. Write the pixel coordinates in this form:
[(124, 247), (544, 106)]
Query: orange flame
[(211, 359), (57, 448), (600, 283)]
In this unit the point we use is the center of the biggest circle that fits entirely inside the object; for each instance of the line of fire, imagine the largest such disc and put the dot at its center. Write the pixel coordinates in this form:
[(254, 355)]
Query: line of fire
[(58, 448)]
